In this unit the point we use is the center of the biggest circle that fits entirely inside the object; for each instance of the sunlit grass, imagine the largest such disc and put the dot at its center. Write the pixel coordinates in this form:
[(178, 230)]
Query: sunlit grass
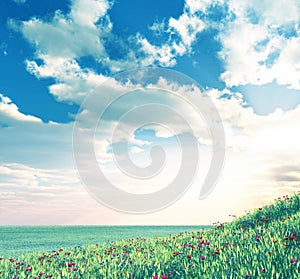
[(261, 244)]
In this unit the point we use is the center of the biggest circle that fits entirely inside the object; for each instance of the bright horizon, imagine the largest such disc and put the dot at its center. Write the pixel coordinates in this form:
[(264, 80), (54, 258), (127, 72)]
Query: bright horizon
[(245, 55)]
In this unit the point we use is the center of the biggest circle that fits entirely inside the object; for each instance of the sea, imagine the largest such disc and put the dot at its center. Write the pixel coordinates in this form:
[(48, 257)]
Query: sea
[(18, 240)]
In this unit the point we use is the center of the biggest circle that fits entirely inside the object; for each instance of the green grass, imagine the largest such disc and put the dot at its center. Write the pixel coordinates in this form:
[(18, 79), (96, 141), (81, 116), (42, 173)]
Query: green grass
[(263, 244)]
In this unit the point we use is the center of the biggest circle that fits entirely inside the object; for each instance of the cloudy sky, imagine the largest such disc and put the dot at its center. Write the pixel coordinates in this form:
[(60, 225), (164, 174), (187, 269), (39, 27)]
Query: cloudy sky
[(245, 55)]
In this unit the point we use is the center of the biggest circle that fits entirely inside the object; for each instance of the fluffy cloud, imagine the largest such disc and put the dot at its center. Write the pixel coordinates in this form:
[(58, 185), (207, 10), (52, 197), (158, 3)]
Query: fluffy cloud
[(181, 33), (10, 112), (74, 35), (187, 27), (73, 83), (270, 144), (85, 32), (261, 44), (62, 40), (194, 6)]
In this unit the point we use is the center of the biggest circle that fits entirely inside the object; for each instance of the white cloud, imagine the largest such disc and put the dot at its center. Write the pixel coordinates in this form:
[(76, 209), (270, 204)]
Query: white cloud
[(262, 43), (73, 84), (164, 55), (9, 111), (275, 12), (187, 26), (194, 6), (136, 149), (68, 36), (287, 67), (270, 144), (87, 13), (181, 32), (62, 40)]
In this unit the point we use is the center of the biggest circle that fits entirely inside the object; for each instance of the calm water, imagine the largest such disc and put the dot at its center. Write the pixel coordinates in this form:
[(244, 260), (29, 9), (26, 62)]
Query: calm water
[(18, 240)]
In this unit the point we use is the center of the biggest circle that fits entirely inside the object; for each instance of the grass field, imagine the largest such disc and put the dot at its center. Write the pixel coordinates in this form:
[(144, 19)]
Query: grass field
[(262, 244)]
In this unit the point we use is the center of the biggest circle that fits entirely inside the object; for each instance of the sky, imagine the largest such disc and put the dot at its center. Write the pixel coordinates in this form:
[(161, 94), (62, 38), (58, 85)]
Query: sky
[(54, 56)]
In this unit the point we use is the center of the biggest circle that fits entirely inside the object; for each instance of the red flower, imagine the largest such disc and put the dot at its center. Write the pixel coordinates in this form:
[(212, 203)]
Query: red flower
[(164, 276), (262, 271), (189, 256)]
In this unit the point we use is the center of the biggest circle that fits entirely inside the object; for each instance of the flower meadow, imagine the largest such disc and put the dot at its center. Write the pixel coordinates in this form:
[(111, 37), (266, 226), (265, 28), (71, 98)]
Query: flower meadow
[(261, 244)]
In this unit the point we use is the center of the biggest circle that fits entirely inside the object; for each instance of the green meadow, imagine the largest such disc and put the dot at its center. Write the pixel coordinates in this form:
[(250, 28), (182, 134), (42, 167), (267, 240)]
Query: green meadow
[(260, 244)]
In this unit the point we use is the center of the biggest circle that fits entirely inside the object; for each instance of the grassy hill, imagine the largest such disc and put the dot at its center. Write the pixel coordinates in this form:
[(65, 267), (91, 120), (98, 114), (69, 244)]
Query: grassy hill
[(261, 244)]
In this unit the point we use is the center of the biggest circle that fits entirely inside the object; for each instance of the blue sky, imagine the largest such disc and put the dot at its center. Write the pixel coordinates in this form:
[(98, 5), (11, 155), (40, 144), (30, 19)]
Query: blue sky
[(53, 54)]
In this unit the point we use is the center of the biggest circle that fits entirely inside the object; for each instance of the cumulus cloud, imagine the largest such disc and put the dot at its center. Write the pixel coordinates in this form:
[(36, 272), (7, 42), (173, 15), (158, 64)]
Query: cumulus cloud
[(73, 83), (68, 36), (181, 33), (86, 31), (187, 26), (10, 112), (64, 39), (261, 44)]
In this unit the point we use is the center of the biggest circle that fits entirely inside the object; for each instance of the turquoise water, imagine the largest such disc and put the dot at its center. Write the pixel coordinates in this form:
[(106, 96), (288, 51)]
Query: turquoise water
[(15, 240)]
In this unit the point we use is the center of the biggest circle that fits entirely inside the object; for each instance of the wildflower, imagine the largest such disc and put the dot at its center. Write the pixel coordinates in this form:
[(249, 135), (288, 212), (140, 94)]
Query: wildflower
[(155, 276), (164, 276), (189, 256), (262, 271), (292, 260), (247, 275), (202, 258)]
